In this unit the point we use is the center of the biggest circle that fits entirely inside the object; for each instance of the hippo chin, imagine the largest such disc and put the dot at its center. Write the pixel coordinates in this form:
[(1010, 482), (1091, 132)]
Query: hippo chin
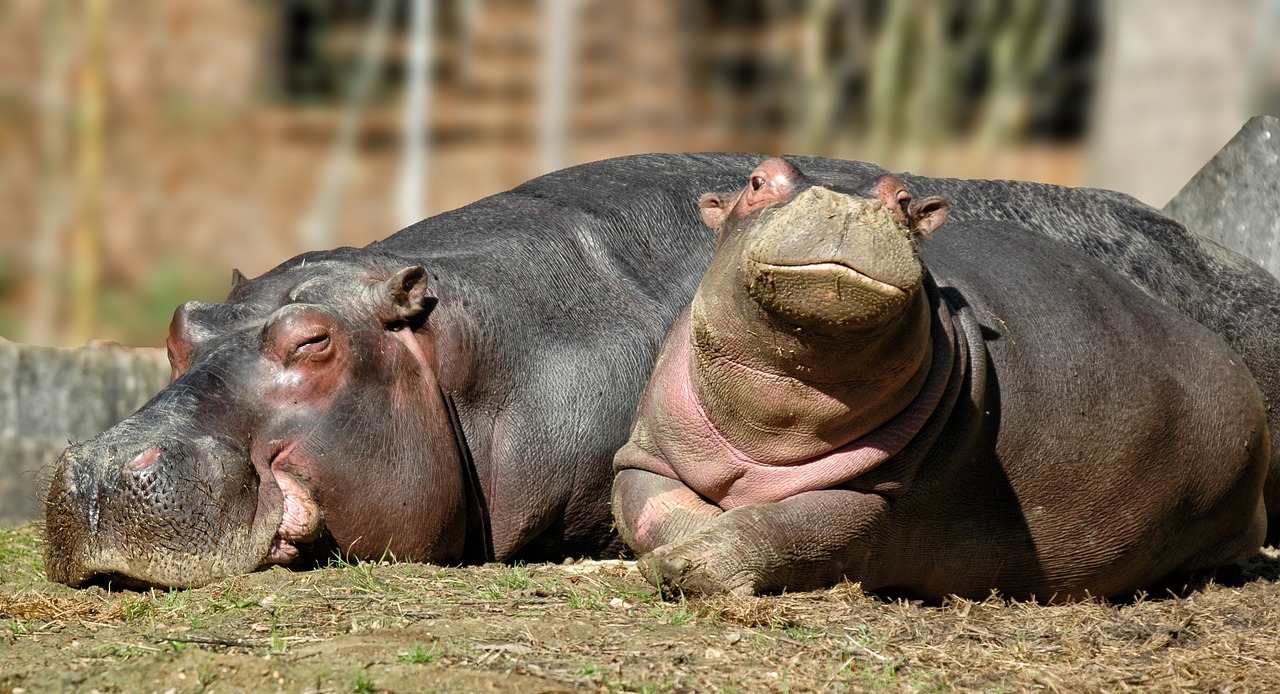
[(1005, 415)]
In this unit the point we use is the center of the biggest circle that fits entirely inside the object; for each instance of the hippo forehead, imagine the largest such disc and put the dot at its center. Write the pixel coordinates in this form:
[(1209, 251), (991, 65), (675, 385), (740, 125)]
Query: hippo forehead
[(336, 282)]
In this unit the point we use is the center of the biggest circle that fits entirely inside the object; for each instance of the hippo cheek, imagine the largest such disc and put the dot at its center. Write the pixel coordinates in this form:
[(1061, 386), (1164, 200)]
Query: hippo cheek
[(826, 296), (383, 521)]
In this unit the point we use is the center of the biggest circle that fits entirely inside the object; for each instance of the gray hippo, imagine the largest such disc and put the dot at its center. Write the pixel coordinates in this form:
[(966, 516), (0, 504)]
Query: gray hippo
[(457, 392), (453, 393), (1016, 417)]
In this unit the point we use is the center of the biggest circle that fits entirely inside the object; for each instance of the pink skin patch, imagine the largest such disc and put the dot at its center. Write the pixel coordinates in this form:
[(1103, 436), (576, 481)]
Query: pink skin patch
[(658, 508), (692, 450), (300, 522), (144, 460)]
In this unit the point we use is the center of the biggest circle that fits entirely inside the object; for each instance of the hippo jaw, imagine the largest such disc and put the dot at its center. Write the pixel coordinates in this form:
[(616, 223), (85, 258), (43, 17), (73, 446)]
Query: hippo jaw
[(831, 262)]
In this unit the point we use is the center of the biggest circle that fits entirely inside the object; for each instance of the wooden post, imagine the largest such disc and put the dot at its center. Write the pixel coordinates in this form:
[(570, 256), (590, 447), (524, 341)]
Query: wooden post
[(86, 247)]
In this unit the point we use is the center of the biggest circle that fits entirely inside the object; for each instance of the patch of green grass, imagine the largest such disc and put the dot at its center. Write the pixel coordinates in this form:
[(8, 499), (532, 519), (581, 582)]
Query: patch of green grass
[(515, 578), (278, 634), (799, 632), (16, 627), (361, 572), (175, 600), (879, 676), (141, 608), (362, 682), (22, 554), (662, 685), (233, 602), (673, 614), (122, 651), (180, 646), (588, 599), (204, 673), (421, 655), (587, 670)]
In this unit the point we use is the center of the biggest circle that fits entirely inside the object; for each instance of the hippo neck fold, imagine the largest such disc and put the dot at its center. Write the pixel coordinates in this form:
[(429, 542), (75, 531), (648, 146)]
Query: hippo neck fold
[(779, 394), (717, 469)]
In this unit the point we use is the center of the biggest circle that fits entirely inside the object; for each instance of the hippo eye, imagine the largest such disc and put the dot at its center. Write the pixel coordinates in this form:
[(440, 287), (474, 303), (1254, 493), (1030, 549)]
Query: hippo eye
[(311, 348), (757, 182)]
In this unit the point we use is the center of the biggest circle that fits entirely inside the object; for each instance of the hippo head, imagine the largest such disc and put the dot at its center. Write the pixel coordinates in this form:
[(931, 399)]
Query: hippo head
[(826, 259), (304, 412)]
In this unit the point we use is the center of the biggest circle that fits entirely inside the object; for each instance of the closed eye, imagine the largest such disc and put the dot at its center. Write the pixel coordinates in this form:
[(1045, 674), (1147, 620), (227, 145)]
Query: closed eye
[(311, 347)]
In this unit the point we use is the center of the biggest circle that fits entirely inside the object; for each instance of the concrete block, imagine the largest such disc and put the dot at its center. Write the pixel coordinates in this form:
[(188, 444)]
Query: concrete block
[(50, 396), (1235, 198)]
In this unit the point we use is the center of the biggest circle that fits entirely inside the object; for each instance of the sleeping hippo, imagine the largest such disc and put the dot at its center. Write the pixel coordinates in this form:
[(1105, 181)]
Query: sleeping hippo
[(457, 392), (1006, 414)]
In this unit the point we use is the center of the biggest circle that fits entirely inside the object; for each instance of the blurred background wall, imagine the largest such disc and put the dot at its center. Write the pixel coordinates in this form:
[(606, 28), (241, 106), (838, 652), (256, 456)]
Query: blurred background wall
[(146, 148)]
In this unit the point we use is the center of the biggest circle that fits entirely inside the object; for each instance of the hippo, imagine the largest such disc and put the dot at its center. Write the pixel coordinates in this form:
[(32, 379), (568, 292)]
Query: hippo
[(453, 393), (998, 413), (457, 391)]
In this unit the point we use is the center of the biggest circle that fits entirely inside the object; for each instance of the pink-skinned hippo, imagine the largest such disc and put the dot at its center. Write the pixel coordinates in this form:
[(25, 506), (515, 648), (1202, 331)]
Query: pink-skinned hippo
[(1006, 414), (456, 392)]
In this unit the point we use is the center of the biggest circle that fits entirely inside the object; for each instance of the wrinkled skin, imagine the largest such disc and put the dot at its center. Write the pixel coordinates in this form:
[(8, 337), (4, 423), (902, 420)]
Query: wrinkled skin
[(1018, 418), (185, 490), (552, 301), (454, 393)]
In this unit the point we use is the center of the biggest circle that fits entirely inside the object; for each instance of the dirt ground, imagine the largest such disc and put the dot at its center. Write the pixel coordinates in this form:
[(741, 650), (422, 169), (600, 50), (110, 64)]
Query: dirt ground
[(597, 626)]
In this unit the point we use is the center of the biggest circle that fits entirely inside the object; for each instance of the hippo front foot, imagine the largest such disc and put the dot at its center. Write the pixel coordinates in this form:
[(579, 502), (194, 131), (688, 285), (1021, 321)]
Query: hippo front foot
[(702, 564)]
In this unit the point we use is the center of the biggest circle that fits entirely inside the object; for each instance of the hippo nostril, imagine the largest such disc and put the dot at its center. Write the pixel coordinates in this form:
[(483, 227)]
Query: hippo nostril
[(145, 459)]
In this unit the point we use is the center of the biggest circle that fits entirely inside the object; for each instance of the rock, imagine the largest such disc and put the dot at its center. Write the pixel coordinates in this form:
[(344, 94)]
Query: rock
[(49, 395), (1235, 198)]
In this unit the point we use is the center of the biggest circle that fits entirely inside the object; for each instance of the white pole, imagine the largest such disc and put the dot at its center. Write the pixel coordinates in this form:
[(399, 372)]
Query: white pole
[(411, 198), (558, 41)]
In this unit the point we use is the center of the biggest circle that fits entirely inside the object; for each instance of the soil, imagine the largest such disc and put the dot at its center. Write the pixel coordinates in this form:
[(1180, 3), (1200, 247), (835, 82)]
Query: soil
[(597, 626)]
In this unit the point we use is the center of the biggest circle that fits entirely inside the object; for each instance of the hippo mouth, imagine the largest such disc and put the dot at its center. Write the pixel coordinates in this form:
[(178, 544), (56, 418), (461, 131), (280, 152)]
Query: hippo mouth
[(842, 274), (828, 294), (300, 515)]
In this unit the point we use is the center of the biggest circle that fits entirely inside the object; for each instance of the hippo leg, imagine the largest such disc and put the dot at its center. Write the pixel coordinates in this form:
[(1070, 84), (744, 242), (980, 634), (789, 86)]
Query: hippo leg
[(653, 510), (804, 542)]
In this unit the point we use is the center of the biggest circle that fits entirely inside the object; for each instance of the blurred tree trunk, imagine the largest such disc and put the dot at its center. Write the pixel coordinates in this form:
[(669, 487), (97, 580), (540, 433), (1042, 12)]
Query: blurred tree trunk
[(86, 247), (49, 273)]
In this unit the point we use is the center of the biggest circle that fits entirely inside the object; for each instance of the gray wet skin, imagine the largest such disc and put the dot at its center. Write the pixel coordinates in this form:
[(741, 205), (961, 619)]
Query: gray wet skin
[(553, 299), (1005, 414)]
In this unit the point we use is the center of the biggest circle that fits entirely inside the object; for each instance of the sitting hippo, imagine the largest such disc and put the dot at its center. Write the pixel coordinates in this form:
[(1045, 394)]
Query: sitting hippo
[(1010, 415)]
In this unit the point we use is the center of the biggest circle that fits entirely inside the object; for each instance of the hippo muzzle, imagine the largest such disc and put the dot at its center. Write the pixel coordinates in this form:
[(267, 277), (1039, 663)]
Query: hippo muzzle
[(158, 511), (830, 260)]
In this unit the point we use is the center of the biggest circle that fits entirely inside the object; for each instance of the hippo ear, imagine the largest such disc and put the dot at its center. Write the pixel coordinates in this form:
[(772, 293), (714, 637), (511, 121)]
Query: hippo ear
[(714, 208), (404, 299), (927, 215)]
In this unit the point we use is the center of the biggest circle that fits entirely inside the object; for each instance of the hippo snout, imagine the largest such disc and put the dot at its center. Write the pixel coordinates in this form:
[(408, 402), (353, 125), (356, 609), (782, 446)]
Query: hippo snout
[(831, 262), (124, 509)]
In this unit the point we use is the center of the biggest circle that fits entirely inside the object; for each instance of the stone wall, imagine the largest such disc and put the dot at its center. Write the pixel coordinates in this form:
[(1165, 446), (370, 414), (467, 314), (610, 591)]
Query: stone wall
[(49, 396), (1235, 198)]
